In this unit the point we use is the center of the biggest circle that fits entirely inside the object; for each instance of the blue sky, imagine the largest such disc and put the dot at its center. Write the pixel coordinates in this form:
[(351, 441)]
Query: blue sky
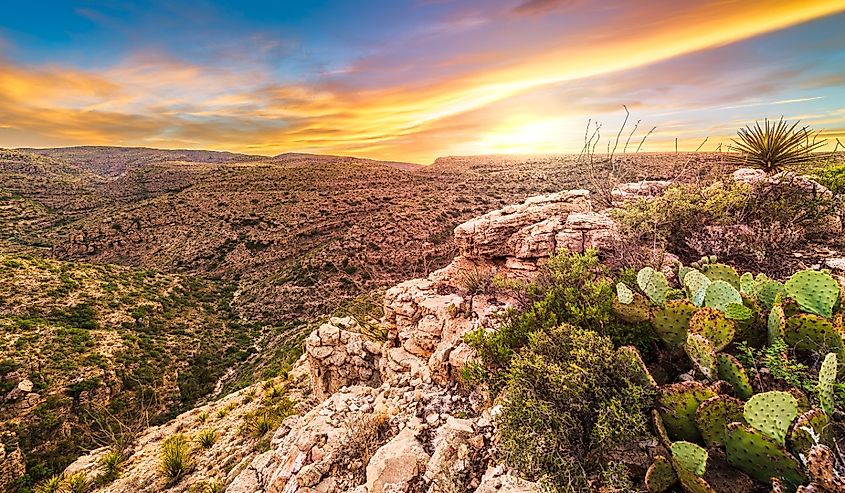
[(413, 80)]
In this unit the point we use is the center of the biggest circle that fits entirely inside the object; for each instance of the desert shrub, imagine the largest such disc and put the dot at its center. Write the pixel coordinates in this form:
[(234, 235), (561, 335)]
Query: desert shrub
[(207, 437), (573, 288), (475, 281), (783, 368), (260, 424), (752, 228), (774, 146), (175, 460), (568, 402), (110, 465), (832, 177), (53, 484), (78, 483), (213, 486)]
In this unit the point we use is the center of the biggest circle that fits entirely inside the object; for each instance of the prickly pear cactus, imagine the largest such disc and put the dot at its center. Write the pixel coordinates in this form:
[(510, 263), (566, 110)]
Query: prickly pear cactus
[(776, 324), (761, 457), (820, 463), (635, 312), (769, 291), (653, 283), (660, 475), (722, 272), (624, 293), (732, 371), (720, 294), (696, 285), (814, 291), (746, 284), (712, 324), (701, 352), (677, 404), (713, 416), (690, 457), (827, 377), (771, 413), (808, 332), (630, 359), (738, 312), (670, 321), (809, 428)]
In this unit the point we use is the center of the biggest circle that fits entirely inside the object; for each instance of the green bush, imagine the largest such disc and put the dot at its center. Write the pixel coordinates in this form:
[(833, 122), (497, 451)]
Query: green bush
[(110, 466), (54, 484), (569, 401), (175, 458), (207, 437), (572, 288), (832, 177)]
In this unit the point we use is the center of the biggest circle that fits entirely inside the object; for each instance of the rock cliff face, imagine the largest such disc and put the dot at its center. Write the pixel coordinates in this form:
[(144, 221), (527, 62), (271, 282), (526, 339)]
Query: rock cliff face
[(388, 412)]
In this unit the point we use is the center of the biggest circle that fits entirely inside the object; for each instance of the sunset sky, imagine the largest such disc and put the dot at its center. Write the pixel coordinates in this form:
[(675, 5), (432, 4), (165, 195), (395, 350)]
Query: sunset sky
[(413, 80)]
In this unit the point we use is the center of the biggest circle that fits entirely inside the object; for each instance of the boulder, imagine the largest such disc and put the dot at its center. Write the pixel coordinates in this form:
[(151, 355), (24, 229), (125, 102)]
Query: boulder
[(625, 192), (397, 465), (340, 355)]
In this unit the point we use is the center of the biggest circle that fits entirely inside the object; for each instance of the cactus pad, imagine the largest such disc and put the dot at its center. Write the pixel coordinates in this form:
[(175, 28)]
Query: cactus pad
[(690, 457), (677, 403), (768, 292), (670, 321), (739, 312), (660, 475), (701, 352), (624, 293), (808, 427), (827, 377), (732, 371), (722, 272), (746, 283), (771, 413), (696, 285), (630, 359), (634, 312), (713, 417), (720, 294), (712, 324), (776, 324), (814, 291), (653, 283), (761, 457), (820, 463), (810, 332)]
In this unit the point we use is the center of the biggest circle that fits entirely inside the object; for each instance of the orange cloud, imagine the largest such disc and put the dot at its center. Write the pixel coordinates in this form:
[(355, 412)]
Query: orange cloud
[(160, 101)]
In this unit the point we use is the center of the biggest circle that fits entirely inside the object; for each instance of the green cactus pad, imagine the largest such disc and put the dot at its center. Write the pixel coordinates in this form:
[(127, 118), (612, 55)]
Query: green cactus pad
[(677, 403), (635, 312), (776, 324), (624, 293), (768, 292), (761, 457), (738, 312), (712, 324), (660, 428), (713, 416), (701, 352), (827, 378), (630, 359), (771, 413), (808, 332), (801, 439), (814, 291), (670, 321), (696, 285), (660, 475), (690, 457), (732, 371), (746, 284), (720, 294), (693, 483), (722, 272), (653, 283)]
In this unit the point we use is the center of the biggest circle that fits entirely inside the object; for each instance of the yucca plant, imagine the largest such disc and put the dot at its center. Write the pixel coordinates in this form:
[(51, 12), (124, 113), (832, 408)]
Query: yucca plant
[(78, 483), (55, 484), (175, 458), (774, 146), (260, 424), (207, 437), (110, 465), (213, 486)]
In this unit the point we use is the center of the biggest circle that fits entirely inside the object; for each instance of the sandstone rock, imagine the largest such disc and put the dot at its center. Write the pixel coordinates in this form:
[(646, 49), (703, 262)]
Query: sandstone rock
[(340, 355), (496, 480), (12, 466), (488, 235), (749, 176), (397, 464), (637, 190)]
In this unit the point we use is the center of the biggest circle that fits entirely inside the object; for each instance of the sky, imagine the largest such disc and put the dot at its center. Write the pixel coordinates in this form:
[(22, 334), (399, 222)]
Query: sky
[(411, 80)]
